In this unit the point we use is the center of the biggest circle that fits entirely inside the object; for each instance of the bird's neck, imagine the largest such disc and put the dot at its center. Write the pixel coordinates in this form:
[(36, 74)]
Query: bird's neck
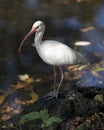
[(38, 38)]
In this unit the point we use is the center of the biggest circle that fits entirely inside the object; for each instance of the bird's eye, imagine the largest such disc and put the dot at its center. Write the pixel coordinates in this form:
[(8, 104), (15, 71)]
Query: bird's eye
[(37, 27)]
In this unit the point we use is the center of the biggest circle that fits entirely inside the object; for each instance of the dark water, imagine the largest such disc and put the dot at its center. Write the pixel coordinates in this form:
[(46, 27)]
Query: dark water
[(64, 21)]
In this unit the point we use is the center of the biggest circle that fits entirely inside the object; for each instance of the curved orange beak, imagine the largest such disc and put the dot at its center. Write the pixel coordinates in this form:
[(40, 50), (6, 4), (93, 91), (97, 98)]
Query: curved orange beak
[(26, 37)]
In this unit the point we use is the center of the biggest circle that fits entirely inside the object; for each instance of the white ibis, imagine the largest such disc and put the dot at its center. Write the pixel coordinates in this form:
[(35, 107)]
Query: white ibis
[(53, 53)]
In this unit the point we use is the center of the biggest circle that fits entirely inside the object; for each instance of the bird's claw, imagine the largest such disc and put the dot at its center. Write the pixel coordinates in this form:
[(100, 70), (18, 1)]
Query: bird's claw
[(51, 95)]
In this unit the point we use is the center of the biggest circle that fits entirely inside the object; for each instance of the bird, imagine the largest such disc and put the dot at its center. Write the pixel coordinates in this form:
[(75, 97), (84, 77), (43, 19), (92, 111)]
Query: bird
[(53, 53)]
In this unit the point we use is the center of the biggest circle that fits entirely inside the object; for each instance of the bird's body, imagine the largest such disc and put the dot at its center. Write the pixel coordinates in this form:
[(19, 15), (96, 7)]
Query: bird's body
[(53, 52), (58, 54)]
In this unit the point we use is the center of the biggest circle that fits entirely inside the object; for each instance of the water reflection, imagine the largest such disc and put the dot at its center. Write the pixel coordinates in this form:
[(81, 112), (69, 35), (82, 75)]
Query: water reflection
[(64, 19), (31, 4), (26, 59), (64, 22), (73, 23), (11, 72), (99, 18), (95, 51), (67, 29)]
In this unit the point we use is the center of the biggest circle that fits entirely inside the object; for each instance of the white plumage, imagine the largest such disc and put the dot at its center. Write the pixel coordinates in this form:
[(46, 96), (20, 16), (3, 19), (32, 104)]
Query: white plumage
[(53, 53), (58, 54)]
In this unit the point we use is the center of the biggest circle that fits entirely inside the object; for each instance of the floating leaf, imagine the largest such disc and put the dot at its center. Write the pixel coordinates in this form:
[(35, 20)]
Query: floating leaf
[(100, 69), (23, 77), (82, 43)]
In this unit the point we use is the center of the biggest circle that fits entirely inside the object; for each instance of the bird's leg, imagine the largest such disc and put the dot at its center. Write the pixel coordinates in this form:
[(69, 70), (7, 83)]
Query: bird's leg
[(54, 68), (55, 92), (62, 77)]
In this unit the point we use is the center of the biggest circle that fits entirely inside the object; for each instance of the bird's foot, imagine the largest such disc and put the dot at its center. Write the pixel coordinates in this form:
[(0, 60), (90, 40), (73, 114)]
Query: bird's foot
[(51, 95)]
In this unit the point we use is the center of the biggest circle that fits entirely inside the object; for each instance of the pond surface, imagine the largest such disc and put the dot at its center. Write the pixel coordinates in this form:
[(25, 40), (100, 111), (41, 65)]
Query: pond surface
[(68, 21)]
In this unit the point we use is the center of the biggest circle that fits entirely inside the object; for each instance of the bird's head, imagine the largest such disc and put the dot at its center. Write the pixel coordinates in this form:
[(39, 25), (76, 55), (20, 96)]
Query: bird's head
[(38, 26)]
